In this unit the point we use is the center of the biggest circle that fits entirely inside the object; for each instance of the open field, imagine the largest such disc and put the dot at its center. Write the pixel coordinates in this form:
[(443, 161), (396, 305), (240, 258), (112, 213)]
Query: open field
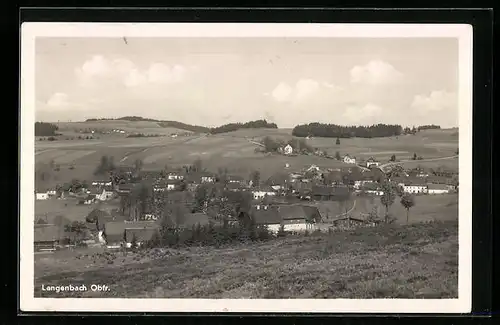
[(50, 209), (235, 152), (127, 126), (390, 261)]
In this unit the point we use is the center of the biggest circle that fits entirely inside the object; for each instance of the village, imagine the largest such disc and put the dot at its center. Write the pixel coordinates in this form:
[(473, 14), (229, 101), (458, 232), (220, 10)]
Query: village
[(126, 206)]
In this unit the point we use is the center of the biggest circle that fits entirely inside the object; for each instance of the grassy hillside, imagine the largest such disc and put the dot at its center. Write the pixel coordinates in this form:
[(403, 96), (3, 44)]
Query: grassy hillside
[(416, 261)]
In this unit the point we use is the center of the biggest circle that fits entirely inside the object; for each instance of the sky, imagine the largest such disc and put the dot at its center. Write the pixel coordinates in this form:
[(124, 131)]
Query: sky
[(214, 81)]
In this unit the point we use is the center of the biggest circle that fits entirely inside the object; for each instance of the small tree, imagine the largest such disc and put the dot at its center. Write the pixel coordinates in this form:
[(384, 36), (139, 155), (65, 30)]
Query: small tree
[(338, 141), (393, 157), (408, 201), (414, 156), (255, 178), (133, 242), (387, 198), (337, 156)]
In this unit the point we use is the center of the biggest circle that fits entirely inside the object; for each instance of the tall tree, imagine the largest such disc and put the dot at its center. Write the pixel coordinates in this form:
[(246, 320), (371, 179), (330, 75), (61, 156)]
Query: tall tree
[(337, 156), (255, 178), (387, 198), (138, 163), (407, 201), (197, 165), (393, 157)]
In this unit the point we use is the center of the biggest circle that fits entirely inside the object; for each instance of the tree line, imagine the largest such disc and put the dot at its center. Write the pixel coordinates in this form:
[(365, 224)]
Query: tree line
[(257, 124), (43, 129), (339, 131), (429, 127)]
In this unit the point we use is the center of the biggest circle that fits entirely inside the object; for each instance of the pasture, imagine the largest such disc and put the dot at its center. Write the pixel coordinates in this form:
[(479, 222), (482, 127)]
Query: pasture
[(389, 261)]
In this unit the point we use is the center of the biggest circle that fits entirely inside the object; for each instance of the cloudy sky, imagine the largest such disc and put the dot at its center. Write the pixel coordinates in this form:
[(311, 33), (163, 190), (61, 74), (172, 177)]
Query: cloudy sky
[(221, 80)]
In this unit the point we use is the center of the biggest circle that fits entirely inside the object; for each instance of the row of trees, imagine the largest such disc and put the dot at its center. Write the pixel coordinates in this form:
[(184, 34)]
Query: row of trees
[(340, 131), (429, 127), (43, 129), (389, 196), (257, 124)]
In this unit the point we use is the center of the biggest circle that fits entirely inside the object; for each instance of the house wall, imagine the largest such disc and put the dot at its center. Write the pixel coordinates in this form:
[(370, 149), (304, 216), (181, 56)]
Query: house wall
[(415, 189), (294, 227), (42, 196), (437, 191)]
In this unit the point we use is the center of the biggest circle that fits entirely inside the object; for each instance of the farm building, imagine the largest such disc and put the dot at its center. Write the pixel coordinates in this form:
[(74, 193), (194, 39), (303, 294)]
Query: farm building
[(140, 235), (263, 192), (101, 183), (414, 187), (234, 186), (327, 193), (348, 159), (437, 188), (175, 175), (372, 188), (288, 149), (279, 180), (235, 179), (114, 232), (47, 237), (42, 195), (372, 162), (124, 189), (293, 218)]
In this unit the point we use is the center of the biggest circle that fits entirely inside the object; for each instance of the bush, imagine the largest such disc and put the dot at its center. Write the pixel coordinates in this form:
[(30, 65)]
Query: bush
[(51, 139)]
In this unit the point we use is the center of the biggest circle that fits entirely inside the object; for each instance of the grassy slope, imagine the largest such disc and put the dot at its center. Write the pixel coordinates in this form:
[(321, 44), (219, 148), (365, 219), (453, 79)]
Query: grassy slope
[(416, 261)]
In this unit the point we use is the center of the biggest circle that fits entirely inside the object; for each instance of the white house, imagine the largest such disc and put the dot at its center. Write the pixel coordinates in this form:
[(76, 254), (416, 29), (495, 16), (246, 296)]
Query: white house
[(101, 183), (288, 150), (372, 162), (51, 192), (437, 189), (175, 176), (42, 196), (260, 194), (349, 160), (415, 188)]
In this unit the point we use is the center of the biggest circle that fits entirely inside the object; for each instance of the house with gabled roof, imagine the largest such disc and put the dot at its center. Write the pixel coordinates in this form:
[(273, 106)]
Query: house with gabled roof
[(372, 162), (348, 159), (437, 189), (115, 232)]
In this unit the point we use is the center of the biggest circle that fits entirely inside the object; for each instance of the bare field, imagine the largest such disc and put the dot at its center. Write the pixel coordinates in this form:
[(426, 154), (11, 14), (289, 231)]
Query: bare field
[(355, 264)]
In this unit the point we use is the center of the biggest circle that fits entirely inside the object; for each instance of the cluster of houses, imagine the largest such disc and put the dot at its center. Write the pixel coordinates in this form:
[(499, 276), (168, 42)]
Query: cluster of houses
[(271, 204)]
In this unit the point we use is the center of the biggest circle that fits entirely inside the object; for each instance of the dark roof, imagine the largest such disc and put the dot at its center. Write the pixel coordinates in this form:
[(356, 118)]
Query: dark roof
[(234, 186), (151, 173), (437, 186), (141, 235), (414, 181), (115, 231), (329, 190), (309, 213), (236, 178), (278, 179), (265, 216), (47, 233), (96, 213)]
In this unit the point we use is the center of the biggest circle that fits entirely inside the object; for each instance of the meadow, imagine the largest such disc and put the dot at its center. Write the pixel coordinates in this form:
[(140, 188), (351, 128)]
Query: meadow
[(389, 261), (234, 150)]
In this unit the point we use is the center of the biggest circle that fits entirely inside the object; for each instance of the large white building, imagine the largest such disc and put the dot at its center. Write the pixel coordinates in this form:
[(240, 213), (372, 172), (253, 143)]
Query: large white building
[(415, 188), (437, 189)]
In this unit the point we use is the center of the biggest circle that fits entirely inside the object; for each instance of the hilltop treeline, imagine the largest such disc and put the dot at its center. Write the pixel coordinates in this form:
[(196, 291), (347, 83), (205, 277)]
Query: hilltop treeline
[(43, 129), (184, 126), (339, 131), (163, 124), (429, 127), (258, 124)]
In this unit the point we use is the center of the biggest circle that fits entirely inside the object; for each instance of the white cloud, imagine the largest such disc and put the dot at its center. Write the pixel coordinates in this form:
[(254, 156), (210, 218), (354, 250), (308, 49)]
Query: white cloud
[(127, 73), (375, 72), (58, 100), (436, 101), (282, 92), (360, 113), (302, 90)]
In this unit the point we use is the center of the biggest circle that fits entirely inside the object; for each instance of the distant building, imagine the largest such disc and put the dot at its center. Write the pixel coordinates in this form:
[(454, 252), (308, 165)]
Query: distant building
[(372, 162), (349, 160), (437, 189), (263, 192), (288, 150), (42, 196), (414, 187), (46, 237)]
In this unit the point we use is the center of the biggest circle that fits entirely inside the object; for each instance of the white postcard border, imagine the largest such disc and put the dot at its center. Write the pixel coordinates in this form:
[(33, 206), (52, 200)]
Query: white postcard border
[(29, 31)]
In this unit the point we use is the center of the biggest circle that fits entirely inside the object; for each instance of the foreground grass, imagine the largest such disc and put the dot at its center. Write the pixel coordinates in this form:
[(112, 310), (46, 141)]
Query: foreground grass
[(416, 261)]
